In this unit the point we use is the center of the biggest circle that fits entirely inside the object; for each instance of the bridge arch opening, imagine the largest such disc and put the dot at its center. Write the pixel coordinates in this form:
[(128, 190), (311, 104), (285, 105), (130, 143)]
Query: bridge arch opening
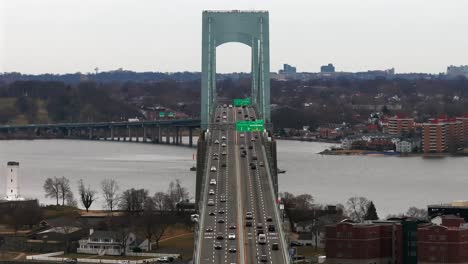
[(233, 58)]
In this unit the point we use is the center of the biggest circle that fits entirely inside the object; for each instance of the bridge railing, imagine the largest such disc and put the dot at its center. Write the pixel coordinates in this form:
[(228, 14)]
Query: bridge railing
[(272, 172), (203, 143)]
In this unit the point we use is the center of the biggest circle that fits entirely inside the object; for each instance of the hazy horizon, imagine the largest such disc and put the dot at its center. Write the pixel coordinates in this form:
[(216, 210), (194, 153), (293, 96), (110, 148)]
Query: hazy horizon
[(53, 36)]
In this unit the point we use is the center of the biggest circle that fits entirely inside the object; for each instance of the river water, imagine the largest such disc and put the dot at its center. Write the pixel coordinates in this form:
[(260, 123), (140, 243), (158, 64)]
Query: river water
[(393, 183)]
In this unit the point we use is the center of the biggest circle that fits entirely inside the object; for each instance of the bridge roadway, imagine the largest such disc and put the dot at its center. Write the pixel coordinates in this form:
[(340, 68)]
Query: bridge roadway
[(242, 186)]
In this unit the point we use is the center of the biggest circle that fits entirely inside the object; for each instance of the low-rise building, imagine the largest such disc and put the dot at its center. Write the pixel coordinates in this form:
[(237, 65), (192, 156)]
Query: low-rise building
[(445, 243), (458, 208), (110, 243), (349, 242), (404, 146)]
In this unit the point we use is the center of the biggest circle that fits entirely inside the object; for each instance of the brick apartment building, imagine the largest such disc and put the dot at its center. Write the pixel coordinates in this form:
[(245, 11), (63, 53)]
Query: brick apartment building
[(445, 243), (443, 134), (391, 241), (351, 243), (399, 124), (464, 120)]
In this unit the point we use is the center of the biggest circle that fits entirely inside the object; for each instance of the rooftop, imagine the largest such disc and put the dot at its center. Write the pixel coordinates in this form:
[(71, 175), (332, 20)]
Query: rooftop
[(235, 11)]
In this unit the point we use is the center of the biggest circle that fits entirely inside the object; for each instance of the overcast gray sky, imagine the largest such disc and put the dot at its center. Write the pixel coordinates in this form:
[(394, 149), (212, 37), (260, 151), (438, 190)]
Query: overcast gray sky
[(58, 36)]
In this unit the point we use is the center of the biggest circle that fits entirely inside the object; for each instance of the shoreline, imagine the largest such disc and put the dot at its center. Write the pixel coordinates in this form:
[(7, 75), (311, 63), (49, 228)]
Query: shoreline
[(309, 140), (371, 153)]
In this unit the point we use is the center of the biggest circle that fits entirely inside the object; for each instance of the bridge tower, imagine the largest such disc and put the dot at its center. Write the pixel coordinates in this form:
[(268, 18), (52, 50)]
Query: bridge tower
[(250, 28)]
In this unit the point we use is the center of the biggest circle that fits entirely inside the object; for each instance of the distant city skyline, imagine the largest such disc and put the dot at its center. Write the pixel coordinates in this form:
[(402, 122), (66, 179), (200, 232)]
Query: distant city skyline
[(53, 36)]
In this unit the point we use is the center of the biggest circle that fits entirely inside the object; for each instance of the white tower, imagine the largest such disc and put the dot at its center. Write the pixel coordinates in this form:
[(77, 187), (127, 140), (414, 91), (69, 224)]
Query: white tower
[(12, 184)]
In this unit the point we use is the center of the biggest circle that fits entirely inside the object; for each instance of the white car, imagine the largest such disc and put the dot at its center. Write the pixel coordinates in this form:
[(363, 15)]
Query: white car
[(213, 182), (223, 153), (261, 238), (211, 202), (211, 192), (161, 259), (223, 145), (241, 135), (230, 106), (224, 117), (253, 139), (213, 168), (231, 236), (223, 137), (216, 142)]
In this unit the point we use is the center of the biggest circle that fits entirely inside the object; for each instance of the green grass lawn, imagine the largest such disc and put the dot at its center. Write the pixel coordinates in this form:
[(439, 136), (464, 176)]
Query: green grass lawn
[(122, 257), (74, 255), (310, 252), (78, 255), (182, 245)]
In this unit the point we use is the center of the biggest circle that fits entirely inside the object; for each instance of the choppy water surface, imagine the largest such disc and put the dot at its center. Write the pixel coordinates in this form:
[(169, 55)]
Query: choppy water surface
[(393, 183)]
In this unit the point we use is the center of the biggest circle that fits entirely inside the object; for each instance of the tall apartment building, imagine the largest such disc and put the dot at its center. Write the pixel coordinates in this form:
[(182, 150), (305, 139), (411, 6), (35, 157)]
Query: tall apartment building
[(288, 69), (464, 120), (445, 243), (399, 124), (327, 68), (443, 135)]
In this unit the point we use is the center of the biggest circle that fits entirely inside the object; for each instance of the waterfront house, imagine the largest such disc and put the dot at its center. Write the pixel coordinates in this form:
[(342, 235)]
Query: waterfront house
[(110, 243)]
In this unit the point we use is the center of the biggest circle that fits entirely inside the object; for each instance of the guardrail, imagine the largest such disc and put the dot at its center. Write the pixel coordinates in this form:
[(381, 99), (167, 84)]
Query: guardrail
[(278, 217), (52, 257), (202, 207)]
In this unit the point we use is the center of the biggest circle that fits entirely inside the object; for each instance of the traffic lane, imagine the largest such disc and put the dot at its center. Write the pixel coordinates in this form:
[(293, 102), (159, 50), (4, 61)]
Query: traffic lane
[(251, 201), (220, 213), (263, 249), (211, 221), (226, 192), (273, 237), (249, 198), (216, 255), (208, 245), (229, 195)]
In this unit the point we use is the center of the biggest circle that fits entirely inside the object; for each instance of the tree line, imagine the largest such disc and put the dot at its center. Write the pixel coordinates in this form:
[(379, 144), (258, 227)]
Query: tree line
[(302, 208), (131, 200)]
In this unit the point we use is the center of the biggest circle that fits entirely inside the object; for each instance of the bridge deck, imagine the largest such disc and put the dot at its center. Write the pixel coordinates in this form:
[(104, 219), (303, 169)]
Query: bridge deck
[(243, 185)]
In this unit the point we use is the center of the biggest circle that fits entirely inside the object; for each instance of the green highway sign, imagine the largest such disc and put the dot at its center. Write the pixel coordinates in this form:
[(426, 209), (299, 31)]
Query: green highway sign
[(171, 114), (242, 102), (250, 126), (162, 114)]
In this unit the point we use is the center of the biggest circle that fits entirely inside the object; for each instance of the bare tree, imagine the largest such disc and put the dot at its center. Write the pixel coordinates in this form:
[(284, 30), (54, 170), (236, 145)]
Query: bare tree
[(151, 224), (357, 208), (181, 192), (68, 227), (418, 213), (109, 191), (52, 188), (87, 194), (70, 200), (64, 189), (133, 200), (121, 228), (176, 194), (304, 201), (160, 201)]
